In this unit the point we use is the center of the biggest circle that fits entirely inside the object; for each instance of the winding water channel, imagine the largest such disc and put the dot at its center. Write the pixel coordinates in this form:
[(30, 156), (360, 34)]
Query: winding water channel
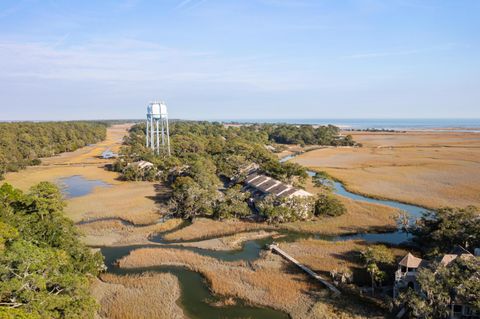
[(196, 298)]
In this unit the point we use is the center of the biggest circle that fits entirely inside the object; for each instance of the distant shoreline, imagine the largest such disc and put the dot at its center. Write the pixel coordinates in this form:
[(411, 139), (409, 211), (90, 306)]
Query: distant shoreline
[(424, 125), (447, 125)]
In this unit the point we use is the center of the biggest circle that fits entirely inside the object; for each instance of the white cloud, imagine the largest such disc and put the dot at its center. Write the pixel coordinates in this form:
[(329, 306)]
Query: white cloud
[(133, 61)]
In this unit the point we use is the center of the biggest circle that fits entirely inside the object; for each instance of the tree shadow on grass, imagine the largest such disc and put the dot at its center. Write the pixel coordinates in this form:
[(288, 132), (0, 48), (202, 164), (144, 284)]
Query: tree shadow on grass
[(348, 302), (162, 194)]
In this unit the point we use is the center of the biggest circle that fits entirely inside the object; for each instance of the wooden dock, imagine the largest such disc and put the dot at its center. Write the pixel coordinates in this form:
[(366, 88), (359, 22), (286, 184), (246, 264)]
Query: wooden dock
[(313, 274)]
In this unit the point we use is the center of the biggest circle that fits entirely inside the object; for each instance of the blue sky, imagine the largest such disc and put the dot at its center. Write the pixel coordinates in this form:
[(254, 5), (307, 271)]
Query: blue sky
[(240, 59)]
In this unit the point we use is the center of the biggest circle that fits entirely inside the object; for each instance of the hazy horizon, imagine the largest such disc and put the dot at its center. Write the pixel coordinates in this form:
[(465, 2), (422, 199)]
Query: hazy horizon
[(212, 59)]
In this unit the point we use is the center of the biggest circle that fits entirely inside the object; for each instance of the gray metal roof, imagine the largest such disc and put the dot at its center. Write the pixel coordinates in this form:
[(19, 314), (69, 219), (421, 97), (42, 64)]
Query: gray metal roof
[(251, 177), (289, 192), (278, 189), (268, 184), (259, 181)]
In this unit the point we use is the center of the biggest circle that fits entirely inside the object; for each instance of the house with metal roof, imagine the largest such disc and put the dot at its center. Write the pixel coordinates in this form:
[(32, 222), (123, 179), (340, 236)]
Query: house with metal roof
[(262, 185)]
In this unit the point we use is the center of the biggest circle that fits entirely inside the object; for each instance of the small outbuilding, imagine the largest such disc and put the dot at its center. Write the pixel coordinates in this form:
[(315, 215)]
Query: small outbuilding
[(109, 154)]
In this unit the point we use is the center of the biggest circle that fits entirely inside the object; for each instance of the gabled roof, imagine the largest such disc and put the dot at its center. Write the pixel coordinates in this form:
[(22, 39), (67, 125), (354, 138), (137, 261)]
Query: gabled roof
[(448, 258), (457, 252), (410, 261), (268, 185)]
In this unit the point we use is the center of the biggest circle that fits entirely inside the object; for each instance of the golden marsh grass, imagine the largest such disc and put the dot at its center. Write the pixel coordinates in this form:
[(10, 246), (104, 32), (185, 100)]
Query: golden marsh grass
[(430, 169), (268, 281), (138, 297)]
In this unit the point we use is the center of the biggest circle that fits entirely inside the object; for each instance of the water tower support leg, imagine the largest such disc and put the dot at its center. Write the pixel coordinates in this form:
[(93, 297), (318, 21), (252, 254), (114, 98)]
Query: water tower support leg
[(158, 140), (146, 133), (168, 137), (152, 137), (163, 134)]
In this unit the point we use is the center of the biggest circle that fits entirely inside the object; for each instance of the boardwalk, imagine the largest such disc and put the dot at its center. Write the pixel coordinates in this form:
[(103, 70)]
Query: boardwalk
[(277, 249)]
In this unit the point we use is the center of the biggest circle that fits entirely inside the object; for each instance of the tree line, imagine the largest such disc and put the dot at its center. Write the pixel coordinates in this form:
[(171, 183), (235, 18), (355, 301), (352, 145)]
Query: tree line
[(24, 143), (44, 268), (307, 135)]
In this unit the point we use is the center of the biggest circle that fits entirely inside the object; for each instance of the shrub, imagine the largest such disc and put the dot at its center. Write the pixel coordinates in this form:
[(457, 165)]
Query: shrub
[(280, 210), (328, 205)]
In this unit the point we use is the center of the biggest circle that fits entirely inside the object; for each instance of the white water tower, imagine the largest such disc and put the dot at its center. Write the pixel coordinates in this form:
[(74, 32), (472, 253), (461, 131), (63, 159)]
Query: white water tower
[(157, 133)]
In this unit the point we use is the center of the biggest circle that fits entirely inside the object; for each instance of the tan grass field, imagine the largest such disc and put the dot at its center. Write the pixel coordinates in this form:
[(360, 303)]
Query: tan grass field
[(360, 217), (431, 169), (263, 282), (138, 297), (232, 242), (114, 232), (132, 201), (324, 256), (203, 227)]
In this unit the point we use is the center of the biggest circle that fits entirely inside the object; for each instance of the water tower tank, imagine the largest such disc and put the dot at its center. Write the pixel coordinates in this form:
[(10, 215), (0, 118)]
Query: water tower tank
[(163, 109), (155, 110), (149, 109)]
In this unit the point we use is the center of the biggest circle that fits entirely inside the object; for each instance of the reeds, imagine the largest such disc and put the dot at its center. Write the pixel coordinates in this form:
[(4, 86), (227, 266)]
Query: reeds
[(430, 169), (138, 297), (205, 228)]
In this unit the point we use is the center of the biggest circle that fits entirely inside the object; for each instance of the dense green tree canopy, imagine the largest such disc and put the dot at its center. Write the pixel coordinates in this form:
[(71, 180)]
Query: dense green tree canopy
[(23, 143), (44, 269), (440, 286), (307, 134), (438, 232), (208, 158), (375, 258), (328, 205)]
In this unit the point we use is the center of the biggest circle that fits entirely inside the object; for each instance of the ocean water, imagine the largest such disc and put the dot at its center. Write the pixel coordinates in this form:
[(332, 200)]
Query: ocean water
[(392, 124)]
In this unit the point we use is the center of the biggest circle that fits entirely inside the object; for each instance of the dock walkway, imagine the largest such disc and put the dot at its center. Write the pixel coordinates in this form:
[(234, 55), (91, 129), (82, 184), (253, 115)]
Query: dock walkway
[(313, 274)]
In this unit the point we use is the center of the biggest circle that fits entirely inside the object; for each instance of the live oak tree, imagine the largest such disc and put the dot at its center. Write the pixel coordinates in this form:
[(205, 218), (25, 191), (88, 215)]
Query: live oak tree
[(44, 269), (374, 257), (281, 210), (438, 232), (232, 204), (190, 200), (328, 205)]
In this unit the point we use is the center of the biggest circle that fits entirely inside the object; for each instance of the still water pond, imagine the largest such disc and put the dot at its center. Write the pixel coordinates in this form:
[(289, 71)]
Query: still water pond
[(77, 185)]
